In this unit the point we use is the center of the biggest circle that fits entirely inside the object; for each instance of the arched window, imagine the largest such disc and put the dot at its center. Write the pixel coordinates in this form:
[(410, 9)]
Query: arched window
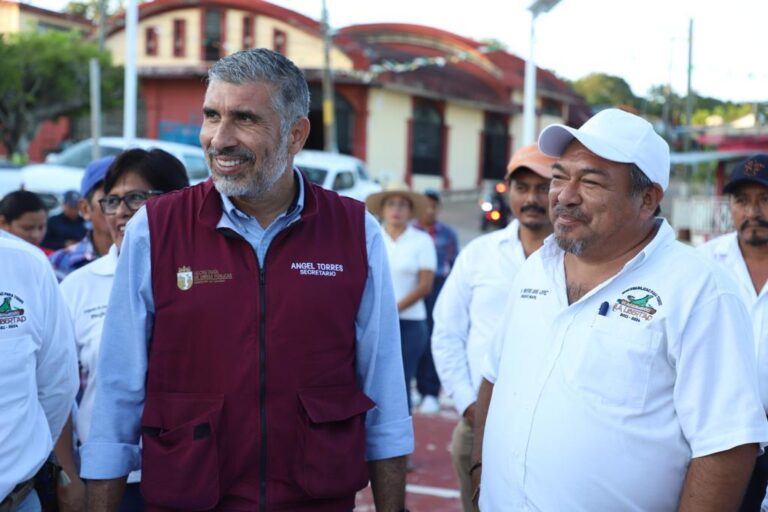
[(344, 117), (427, 138), (495, 146)]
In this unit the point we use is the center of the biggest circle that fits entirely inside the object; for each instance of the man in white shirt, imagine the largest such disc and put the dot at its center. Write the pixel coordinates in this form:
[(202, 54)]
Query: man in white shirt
[(622, 375), (469, 307), (744, 253), (38, 369)]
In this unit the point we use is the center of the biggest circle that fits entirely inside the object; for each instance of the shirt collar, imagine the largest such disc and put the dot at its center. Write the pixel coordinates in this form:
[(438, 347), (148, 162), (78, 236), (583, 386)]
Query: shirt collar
[(232, 217)]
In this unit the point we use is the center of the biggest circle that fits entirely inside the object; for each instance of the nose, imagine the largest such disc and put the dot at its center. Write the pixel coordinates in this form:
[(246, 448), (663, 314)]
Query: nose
[(566, 194), (222, 135), (753, 210), (123, 211)]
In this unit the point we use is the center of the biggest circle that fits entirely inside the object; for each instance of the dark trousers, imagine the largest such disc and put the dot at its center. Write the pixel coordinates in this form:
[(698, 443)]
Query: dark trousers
[(753, 498), (427, 381), (413, 342)]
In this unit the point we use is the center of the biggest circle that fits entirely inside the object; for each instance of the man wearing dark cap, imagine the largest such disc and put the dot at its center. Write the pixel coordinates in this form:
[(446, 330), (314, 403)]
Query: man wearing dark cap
[(470, 307), (97, 240), (447, 248), (67, 227), (744, 253), (622, 376)]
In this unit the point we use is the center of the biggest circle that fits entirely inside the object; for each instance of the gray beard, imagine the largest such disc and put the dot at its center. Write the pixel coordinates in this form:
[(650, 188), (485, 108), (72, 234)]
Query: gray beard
[(575, 247), (258, 184)]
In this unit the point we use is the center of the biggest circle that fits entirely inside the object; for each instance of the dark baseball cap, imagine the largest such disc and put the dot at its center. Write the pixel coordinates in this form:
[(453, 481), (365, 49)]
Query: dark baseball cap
[(94, 173), (71, 197), (752, 170)]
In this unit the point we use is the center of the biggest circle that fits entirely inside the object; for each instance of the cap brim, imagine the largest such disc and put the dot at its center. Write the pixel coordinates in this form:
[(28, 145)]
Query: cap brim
[(732, 185), (555, 138)]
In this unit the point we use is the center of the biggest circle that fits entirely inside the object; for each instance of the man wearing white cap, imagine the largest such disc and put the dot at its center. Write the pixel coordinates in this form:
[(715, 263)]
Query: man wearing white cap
[(472, 301), (635, 388)]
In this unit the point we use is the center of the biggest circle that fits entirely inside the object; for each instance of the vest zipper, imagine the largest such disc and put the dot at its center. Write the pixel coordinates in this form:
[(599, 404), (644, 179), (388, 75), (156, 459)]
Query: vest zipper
[(263, 389)]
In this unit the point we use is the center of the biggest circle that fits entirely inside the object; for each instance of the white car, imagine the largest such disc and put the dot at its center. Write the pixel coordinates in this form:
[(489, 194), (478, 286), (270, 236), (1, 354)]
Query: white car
[(63, 171), (344, 174)]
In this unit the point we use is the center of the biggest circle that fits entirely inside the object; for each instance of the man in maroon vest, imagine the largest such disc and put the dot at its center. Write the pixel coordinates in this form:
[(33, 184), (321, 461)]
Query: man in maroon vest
[(251, 337)]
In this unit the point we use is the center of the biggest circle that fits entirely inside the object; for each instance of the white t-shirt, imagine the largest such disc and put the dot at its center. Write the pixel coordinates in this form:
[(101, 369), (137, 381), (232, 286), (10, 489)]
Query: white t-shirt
[(411, 252), (38, 367), (725, 250), (469, 308), (86, 292), (603, 412)]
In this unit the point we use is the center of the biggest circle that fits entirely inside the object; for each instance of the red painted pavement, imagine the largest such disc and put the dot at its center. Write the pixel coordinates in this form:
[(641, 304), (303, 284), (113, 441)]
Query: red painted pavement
[(433, 467)]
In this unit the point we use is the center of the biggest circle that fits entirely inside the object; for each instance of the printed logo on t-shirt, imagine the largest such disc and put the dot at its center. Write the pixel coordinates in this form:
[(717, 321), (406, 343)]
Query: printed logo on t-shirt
[(186, 277), (11, 311), (637, 303)]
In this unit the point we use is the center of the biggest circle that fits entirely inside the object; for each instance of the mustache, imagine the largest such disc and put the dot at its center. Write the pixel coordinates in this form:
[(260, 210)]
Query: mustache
[(574, 212), (241, 153), (533, 208), (753, 223)]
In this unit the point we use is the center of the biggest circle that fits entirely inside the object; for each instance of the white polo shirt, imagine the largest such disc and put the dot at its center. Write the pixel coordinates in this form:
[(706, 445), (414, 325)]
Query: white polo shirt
[(725, 250), (469, 307), (86, 292), (598, 412), (38, 368), (412, 252)]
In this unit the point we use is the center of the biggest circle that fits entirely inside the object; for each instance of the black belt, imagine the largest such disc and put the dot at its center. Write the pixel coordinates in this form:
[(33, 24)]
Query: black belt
[(17, 496)]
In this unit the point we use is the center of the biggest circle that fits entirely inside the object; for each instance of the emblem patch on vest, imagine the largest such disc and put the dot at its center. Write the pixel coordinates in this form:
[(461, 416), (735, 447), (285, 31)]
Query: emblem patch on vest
[(184, 278), (11, 314)]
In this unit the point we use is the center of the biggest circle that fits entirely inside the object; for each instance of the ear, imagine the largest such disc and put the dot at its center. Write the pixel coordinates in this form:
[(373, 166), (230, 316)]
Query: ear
[(298, 135), (3, 224), (84, 207), (651, 199)]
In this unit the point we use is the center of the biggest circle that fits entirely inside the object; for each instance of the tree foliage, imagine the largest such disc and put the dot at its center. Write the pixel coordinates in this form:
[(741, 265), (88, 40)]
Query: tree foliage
[(45, 75), (602, 90)]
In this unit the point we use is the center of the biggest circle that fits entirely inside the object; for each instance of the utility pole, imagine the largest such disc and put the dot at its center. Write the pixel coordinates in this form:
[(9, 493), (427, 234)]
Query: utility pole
[(95, 76), (329, 123), (689, 97), (130, 78)]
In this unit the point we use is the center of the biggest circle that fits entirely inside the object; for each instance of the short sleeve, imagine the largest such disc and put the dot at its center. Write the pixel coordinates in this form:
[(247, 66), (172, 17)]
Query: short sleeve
[(427, 254)]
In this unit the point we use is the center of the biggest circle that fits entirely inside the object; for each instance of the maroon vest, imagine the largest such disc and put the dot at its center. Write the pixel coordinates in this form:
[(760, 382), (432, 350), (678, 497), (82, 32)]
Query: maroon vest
[(252, 397)]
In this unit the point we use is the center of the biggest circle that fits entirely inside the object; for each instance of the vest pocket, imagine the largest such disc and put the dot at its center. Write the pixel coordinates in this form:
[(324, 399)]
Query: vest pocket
[(180, 460), (330, 456)]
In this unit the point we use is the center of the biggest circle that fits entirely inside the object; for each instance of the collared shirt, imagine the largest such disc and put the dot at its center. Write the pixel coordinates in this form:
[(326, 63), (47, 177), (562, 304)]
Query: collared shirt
[(601, 404), (446, 245), (725, 250), (112, 450), (71, 258), (412, 252), (468, 310), (38, 368)]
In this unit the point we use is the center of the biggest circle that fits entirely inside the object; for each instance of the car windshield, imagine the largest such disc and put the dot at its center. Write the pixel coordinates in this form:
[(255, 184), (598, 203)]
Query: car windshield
[(79, 155), (315, 175)]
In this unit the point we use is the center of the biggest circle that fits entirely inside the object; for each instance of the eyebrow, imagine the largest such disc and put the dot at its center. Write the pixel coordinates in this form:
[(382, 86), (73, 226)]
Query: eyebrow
[(587, 170)]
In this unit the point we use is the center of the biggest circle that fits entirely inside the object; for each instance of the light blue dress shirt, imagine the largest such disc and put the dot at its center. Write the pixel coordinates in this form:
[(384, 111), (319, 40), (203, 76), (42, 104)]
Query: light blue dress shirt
[(113, 451)]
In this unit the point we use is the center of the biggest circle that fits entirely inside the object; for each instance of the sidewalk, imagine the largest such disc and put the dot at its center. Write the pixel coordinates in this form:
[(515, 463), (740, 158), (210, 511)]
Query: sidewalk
[(432, 485)]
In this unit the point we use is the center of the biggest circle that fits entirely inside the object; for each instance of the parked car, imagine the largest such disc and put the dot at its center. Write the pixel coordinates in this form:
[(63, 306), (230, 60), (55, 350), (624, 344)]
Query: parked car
[(344, 174), (10, 177), (494, 206), (63, 171)]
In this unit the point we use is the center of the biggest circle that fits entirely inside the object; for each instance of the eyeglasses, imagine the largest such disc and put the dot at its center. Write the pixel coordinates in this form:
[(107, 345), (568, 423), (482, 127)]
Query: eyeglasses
[(134, 200)]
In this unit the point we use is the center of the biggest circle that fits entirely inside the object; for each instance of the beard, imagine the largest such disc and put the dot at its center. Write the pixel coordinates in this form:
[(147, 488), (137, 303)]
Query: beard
[(257, 182), (573, 246)]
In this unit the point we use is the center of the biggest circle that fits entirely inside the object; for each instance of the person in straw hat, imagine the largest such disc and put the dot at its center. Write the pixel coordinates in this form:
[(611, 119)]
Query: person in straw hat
[(412, 261)]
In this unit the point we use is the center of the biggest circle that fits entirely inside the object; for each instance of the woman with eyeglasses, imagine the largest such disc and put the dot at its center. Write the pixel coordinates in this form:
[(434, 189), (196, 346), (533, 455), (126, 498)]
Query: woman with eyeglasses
[(134, 178)]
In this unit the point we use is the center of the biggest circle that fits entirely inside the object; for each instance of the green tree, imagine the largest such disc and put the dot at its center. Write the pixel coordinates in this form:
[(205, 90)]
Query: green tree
[(600, 89), (44, 75)]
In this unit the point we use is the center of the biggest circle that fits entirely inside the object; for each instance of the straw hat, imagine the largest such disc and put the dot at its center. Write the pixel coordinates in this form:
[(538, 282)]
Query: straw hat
[(375, 202), (530, 157)]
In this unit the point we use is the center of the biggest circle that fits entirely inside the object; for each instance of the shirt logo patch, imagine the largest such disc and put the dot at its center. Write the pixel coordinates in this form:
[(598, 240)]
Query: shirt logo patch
[(532, 293), (313, 268), (637, 303), (186, 278), (11, 312)]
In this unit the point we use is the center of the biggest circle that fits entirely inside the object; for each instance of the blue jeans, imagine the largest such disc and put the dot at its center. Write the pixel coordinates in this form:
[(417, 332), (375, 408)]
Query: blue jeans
[(414, 339), (427, 381), (30, 504)]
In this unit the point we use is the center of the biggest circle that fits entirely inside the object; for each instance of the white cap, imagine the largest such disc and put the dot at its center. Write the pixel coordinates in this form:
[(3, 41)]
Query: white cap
[(618, 136)]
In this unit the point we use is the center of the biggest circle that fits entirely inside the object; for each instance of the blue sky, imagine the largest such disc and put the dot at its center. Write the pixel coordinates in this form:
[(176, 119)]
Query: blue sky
[(644, 42)]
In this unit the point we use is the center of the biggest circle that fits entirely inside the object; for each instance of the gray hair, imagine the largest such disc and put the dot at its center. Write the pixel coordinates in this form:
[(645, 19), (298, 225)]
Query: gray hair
[(639, 182), (291, 101)]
